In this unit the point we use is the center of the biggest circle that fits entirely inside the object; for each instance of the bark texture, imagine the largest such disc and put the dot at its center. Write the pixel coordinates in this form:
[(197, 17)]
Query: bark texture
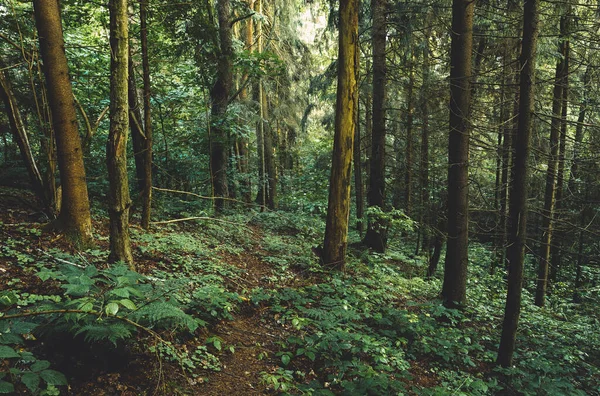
[(116, 145), (376, 236), (147, 188), (517, 221), (338, 210), (220, 98), (74, 219), (455, 275)]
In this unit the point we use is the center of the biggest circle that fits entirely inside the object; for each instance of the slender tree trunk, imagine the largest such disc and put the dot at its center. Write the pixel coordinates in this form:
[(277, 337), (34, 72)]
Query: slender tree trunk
[(338, 210), (20, 136), (424, 214), (242, 142), (548, 213), (147, 189), (135, 125), (358, 179), (455, 275), (261, 197), (376, 237), (409, 141), (74, 218), (579, 134), (116, 146), (518, 196), (269, 155), (220, 96)]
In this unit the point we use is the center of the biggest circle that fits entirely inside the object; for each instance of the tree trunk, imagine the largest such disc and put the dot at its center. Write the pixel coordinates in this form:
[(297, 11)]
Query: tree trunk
[(548, 212), (242, 142), (376, 237), (269, 155), (261, 197), (338, 210), (116, 146), (20, 136), (220, 97), (74, 218), (518, 195), (455, 275), (135, 125), (358, 179), (409, 141), (147, 188)]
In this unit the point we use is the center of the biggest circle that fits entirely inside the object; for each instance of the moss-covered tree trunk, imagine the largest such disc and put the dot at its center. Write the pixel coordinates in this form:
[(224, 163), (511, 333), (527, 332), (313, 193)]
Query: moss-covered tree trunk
[(376, 236), (74, 219), (517, 220), (455, 275), (338, 210), (220, 97), (358, 176), (116, 145)]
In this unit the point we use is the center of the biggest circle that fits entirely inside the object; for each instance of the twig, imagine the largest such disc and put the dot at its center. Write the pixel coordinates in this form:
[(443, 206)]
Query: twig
[(196, 218)]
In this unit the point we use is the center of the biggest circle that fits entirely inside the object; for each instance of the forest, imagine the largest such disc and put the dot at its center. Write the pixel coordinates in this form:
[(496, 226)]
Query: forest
[(303, 197)]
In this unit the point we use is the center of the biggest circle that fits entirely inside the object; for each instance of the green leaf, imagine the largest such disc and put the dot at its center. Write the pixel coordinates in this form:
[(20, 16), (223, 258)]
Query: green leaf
[(128, 304), (112, 308), (7, 352), (6, 387), (40, 365), (53, 377), (285, 359), (31, 381)]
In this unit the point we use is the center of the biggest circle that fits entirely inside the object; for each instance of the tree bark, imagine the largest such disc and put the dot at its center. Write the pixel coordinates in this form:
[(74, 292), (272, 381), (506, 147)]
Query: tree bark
[(116, 145), (455, 275), (376, 237), (135, 125), (147, 188), (548, 212), (358, 178), (220, 97), (518, 195), (74, 219), (409, 142), (338, 210)]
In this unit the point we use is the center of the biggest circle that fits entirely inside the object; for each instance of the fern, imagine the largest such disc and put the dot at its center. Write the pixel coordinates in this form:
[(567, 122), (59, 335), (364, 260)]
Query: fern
[(112, 331), (163, 314)]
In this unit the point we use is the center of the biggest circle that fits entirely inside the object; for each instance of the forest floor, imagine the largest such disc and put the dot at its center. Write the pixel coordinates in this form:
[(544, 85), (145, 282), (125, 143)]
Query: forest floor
[(271, 319)]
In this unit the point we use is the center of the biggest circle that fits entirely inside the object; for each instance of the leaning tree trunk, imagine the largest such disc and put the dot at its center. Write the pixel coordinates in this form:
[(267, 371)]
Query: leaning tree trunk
[(338, 210), (517, 221), (20, 136), (455, 275), (116, 145), (376, 237), (220, 98), (147, 188), (74, 218)]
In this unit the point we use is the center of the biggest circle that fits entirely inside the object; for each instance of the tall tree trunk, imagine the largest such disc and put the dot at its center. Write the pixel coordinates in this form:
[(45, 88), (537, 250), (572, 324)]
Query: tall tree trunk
[(409, 140), (220, 97), (147, 189), (551, 174), (518, 196), (269, 155), (455, 275), (20, 136), (376, 237), (261, 197), (135, 125), (424, 214), (579, 133), (74, 218), (338, 210), (116, 145), (242, 142), (358, 177)]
